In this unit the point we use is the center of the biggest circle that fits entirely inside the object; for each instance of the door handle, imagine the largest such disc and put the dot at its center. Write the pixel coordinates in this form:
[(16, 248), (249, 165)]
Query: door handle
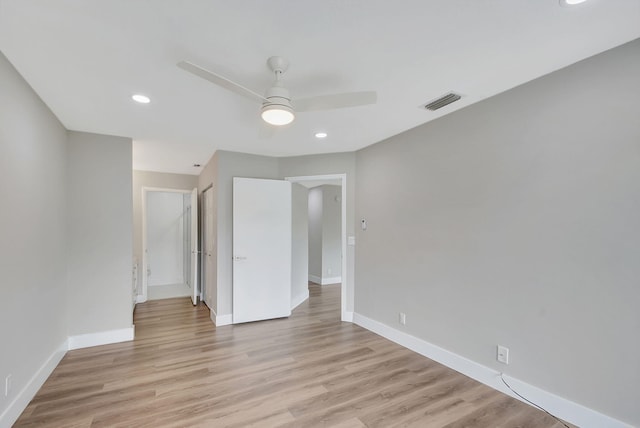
[(238, 258)]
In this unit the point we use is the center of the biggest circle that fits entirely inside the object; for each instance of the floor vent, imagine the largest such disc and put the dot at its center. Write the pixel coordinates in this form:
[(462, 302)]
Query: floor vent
[(444, 100)]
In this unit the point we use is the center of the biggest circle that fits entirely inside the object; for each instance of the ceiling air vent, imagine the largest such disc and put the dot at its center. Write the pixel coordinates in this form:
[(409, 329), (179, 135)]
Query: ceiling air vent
[(444, 100)]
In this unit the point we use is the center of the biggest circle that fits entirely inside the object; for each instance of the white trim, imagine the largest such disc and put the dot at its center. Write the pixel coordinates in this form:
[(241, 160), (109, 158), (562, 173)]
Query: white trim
[(220, 320), (331, 280), (347, 316), (224, 320), (561, 407), (325, 280), (299, 299), (345, 274), (26, 394), (140, 298), (101, 338), (315, 279)]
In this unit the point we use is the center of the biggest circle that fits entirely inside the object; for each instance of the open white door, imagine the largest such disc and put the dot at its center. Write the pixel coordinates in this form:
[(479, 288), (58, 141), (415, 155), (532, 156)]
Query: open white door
[(194, 246), (261, 249)]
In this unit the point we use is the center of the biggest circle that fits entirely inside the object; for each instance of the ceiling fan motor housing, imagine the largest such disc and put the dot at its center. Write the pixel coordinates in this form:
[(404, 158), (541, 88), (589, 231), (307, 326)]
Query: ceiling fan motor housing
[(277, 95)]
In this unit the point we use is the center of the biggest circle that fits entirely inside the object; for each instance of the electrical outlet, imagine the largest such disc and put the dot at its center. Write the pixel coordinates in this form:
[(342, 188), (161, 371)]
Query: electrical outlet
[(503, 354), (402, 318), (7, 386)]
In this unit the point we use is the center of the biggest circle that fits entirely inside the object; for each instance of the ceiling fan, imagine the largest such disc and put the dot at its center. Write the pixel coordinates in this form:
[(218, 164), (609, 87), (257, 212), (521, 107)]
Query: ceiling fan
[(277, 106)]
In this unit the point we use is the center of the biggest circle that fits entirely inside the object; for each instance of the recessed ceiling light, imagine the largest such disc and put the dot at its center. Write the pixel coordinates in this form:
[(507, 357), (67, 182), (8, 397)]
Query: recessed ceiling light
[(142, 99), (571, 2), (321, 135)]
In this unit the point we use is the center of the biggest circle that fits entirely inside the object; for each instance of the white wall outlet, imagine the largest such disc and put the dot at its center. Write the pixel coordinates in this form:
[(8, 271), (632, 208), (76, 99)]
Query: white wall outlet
[(503, 354), (402, 318), (7, 386)]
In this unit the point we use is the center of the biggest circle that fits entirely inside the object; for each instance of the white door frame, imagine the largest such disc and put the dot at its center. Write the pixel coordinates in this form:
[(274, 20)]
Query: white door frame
[(204, 256), (143, 297), (344, 316)]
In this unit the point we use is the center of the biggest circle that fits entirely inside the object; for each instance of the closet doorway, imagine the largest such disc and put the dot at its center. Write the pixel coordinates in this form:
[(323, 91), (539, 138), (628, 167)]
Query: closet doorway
[(169, 236)]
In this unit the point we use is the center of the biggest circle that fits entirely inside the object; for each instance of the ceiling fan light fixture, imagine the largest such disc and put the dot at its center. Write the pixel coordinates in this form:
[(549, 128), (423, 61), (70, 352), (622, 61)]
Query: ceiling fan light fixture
[(277, 115), (277, 109)]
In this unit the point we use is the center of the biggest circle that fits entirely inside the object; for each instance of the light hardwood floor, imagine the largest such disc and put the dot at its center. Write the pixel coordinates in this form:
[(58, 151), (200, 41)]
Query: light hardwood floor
[(310, 370)]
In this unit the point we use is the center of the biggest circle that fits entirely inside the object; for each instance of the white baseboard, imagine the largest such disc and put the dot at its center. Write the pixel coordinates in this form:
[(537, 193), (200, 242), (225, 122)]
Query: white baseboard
[(22, 399), (325, 280), (568, 410), (102, 338), (140, 298), (220, 320), (315, 279), (347, 316), (299, 299)]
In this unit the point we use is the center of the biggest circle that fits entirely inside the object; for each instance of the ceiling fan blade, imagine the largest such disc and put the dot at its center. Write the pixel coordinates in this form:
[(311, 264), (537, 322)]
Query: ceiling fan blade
[(220, 81), (328, 102)]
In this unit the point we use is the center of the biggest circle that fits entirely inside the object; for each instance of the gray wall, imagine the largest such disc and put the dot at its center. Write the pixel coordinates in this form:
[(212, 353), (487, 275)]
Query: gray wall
[(152, 179), (33, 320), (515, 221), (299, 244), (331, 231), (99, 225), (315, 232)]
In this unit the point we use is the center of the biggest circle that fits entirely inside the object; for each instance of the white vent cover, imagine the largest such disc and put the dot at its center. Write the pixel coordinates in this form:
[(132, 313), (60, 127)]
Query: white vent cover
[(442, 101)]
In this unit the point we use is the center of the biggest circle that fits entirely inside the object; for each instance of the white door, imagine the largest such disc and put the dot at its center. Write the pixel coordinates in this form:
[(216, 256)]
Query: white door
[(194, 246), (261, 249)]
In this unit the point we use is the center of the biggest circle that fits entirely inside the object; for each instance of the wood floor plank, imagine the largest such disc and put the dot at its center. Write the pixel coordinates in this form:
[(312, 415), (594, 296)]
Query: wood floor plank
[(310, 370)]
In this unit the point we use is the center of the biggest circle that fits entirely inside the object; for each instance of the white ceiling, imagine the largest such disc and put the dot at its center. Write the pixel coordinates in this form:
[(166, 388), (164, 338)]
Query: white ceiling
[(85, 58)]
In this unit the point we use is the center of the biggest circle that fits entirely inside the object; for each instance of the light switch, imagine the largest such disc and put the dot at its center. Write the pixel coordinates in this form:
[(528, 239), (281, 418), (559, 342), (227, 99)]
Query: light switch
[(351, 240)]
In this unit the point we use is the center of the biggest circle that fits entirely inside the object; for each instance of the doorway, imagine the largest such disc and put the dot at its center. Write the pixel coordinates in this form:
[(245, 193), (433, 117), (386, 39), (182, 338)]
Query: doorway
[(324, 233), (168, 243), (339, 199)]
